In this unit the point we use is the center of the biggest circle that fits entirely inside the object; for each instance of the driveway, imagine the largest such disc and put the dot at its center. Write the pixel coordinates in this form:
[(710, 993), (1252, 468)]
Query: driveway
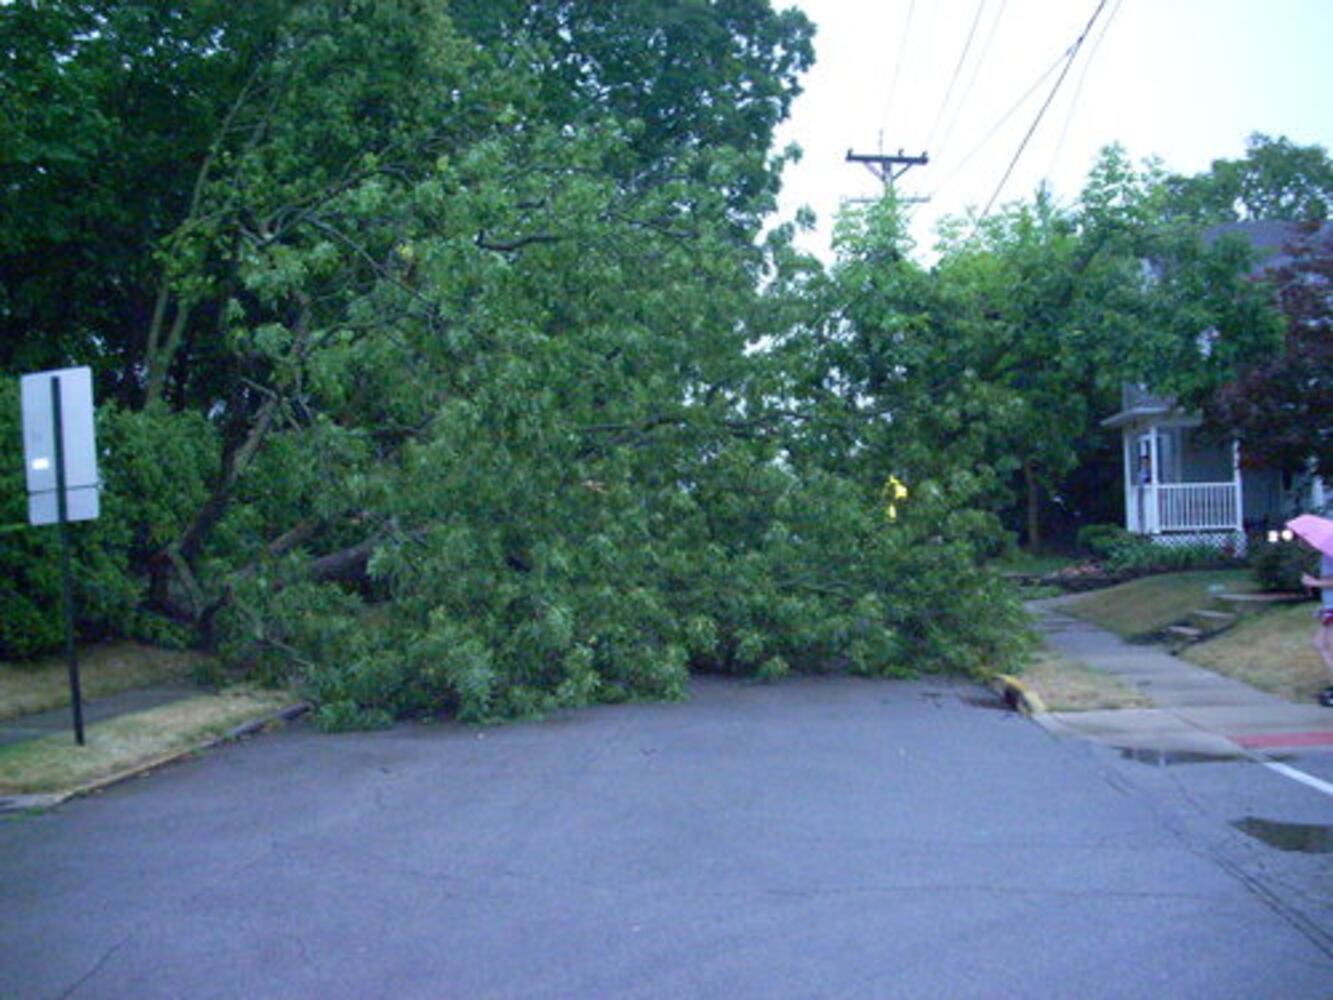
[(821, 837)]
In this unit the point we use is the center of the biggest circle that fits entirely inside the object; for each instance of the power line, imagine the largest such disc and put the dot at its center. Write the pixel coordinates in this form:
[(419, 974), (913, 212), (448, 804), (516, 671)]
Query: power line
[(1078, 88), (948, 91), (972, 80), (898, 65), (1073, 51), (1002, 119)]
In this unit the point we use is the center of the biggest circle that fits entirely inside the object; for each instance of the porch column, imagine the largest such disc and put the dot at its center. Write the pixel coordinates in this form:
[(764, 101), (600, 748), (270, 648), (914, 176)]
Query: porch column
[(1237, 486), (1154, 525), (1131, 494)]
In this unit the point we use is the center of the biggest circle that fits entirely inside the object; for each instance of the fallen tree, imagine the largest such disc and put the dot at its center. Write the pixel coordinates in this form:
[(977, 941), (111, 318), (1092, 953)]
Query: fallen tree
[(443, 389)]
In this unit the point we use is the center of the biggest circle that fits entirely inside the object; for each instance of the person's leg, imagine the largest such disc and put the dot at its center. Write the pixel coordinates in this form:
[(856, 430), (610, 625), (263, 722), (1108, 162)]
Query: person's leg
[(1323, 642)]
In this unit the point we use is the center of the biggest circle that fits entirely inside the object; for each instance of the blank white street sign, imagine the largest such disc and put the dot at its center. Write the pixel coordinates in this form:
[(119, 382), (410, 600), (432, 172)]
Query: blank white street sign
[(39, 450)]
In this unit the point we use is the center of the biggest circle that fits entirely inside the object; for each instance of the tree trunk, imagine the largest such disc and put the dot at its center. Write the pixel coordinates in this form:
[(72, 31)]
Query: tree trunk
[(1033, 504), (164, 344), (346, 566)]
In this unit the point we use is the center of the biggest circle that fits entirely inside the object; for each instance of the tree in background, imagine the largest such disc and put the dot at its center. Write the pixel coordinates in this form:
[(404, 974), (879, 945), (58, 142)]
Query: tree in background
[(1276, 179), (1123, 287), (1279, 408), (1265, 380), (1019, 341), (1004, 358)]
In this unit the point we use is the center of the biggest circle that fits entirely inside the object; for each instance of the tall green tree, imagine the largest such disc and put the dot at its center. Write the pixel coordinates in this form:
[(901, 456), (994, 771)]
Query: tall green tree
[(1263, 385), (1051, 308), (110, 110), (1275, 179), (1025, 339)]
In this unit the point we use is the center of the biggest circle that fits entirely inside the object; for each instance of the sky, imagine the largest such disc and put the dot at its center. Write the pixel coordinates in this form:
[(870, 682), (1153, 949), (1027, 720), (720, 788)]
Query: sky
[(1186, 81)]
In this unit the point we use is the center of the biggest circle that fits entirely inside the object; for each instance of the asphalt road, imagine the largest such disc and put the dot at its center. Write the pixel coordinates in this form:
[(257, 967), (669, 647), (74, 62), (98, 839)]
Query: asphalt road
[(818, 838)]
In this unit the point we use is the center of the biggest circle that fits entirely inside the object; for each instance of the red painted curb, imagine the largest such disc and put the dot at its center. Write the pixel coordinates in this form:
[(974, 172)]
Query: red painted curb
[(1259, 741)]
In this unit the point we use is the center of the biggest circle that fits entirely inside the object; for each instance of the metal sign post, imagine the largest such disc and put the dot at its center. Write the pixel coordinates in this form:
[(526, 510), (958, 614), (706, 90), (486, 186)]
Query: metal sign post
[(61, 459), (62, 508)]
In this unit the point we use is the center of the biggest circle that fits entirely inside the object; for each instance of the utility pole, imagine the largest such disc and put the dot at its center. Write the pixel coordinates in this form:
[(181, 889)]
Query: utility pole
[(888, 168)]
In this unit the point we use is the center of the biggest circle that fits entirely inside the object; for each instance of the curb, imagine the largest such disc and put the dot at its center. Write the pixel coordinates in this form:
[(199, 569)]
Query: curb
[(1018, 695), (49, 800)]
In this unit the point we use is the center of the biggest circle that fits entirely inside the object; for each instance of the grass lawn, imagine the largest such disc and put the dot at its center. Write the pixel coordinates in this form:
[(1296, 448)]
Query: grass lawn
[(1272, 650), (1066, 686), (1144, 606), (104, 669), (130, 742)]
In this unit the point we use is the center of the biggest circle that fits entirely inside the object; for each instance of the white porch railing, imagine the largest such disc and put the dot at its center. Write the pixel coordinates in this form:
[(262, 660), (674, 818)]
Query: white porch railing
[(1196, 506)]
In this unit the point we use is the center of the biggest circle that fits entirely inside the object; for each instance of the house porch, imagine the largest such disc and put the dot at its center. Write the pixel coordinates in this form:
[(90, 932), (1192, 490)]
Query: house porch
[(1178, 489)]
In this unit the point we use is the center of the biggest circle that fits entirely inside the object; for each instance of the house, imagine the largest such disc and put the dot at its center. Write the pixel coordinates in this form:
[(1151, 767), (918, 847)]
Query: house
[(1185, 487), (1182, 487)]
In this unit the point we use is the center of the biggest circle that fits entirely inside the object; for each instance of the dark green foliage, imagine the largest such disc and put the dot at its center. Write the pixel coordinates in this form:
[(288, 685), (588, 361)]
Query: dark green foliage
[(30, 571), (692, 75), (1099, 540), (1269, 389), (153, 467), (106, 107), (1136, 554), (1279, 565), (1276, 179), (346, 715)]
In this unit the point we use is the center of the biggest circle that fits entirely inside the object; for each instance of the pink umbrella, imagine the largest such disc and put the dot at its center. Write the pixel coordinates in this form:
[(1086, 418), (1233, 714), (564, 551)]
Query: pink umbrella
[(1318, 531)]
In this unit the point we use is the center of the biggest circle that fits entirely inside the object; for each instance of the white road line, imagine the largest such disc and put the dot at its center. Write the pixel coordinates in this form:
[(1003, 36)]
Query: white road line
[(1301, 776)]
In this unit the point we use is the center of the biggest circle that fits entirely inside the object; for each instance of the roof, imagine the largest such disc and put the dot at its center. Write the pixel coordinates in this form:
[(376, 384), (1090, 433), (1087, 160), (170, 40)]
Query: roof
[(1136, 402), (1270, 237), (1129, 416)]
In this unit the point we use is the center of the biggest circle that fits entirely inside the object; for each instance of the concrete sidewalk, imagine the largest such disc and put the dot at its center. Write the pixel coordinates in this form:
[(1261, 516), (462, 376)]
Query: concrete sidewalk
[(1194, 710), (39, 724)]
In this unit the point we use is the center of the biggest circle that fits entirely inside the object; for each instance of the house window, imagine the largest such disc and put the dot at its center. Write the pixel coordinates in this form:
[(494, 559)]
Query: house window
[(1168, 456)]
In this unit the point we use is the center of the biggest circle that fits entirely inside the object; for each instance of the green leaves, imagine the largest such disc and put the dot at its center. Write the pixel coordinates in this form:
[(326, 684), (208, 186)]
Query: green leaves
[(1276, 179), (448, 327)]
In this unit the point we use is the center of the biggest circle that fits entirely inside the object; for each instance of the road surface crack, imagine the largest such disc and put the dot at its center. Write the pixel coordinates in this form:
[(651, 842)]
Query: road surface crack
[(97, 967)]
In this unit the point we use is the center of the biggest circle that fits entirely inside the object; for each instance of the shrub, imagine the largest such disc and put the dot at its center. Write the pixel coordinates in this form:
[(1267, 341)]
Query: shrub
[(1098, 540), (1137, 554), (154, 467), (32, 621), (1279, 565)]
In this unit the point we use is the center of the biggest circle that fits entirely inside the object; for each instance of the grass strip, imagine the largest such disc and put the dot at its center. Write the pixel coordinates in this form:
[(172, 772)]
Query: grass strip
[(1066, 686), (1272, 651), (130, 742)]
